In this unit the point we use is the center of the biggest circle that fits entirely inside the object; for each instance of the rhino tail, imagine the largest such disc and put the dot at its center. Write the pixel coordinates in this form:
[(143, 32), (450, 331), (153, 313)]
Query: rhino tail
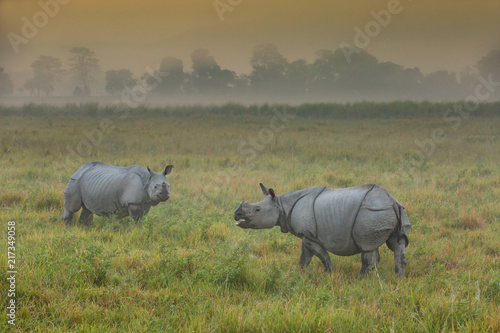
[(403, 227)]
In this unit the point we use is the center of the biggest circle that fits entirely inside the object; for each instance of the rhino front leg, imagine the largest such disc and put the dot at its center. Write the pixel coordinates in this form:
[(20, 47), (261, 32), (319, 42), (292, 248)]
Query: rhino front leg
[(305, 256), (86, 216), (369, 260), (67, 216), (319, 252), (136, 212)]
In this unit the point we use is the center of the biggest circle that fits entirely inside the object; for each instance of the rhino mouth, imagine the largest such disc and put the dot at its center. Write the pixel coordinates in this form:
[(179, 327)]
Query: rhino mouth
[(244, 223)]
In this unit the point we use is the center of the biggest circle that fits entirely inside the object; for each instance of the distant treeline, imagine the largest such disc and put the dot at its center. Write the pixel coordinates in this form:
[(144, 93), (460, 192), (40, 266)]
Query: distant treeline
[(332, 76), (450, 112)]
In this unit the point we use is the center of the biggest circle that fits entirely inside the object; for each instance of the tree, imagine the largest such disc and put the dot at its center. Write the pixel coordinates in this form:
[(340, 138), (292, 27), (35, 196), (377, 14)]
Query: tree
[(297, 75), (323, 73), (207, 76), (440, 85), (169, 78), (357, 76), (46, 70), (268, 69), (6, 86), (84, 66), (490, 65), (118, 80)]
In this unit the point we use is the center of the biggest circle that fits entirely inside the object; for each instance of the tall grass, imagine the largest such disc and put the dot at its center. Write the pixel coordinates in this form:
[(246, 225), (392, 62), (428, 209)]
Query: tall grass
[(186, 267)]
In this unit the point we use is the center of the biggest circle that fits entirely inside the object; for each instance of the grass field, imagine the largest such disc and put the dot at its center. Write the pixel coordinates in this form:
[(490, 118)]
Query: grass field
[(186, 267)]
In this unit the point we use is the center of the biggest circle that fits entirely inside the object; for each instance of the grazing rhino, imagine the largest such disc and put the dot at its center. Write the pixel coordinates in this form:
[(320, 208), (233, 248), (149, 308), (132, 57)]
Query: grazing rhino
[(343, 221), (103, 189)]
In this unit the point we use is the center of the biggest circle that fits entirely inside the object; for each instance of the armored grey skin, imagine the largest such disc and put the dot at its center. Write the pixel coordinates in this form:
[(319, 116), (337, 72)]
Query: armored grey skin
[(102, 189), (343, 221)]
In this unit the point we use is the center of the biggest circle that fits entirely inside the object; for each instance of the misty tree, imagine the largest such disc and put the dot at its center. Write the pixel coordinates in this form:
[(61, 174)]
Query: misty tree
[(6, 86), (168, 79), (323, 72), (207, 75), (83, 65), (118, 80), (46, 70), (440, 85), (269, 69), (297, 76), (490, 65), (356, 75), (395, 81)]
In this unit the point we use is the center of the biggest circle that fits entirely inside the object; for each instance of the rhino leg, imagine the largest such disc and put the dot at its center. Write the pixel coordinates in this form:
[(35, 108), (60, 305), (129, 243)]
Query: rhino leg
[(369, 260), (135, 211), (305, 256), (319, 252), (72, 201), (67, 216), (398, 245), (86, 216)]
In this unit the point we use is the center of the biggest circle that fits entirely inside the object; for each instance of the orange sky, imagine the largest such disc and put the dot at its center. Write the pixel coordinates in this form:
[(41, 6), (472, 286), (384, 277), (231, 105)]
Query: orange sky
[(447, 34)]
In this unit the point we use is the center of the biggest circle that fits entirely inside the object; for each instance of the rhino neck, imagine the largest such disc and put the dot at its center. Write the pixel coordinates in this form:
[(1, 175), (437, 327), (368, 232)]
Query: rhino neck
[(287, 202), (282, 218)]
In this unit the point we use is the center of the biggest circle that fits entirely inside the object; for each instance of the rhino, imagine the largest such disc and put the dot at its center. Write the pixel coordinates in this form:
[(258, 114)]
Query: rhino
[(344, 221), (103, 189)]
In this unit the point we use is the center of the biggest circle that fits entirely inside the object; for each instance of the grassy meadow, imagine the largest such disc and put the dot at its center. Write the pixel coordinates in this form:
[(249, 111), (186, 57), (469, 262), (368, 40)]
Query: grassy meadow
[(186, 267)]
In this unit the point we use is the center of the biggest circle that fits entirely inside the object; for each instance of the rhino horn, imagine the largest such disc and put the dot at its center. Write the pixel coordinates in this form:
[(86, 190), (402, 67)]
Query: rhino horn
[(264, 189)]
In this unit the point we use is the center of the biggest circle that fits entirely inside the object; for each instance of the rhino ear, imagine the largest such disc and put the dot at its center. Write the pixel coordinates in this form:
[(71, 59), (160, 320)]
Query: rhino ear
[(264, 189), (168, 170), (271, 192), (150, 171)]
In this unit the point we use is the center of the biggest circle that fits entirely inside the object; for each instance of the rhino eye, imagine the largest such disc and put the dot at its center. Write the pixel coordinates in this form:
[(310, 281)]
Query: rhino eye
[(257, 209)]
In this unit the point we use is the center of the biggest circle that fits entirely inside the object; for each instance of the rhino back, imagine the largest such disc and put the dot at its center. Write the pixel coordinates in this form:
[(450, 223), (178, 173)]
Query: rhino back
[(335, 211), (106, 189)]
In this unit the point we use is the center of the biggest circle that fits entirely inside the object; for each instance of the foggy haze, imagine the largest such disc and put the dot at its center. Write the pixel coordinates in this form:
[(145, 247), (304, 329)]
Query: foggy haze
[(428, 35)]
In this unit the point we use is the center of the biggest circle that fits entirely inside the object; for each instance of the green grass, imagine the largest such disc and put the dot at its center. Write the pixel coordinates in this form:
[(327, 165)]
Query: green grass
[(186, 267)]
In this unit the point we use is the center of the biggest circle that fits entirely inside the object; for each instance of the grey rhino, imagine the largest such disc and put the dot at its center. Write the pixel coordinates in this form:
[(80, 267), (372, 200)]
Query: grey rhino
[(103, 189), (342, 221)]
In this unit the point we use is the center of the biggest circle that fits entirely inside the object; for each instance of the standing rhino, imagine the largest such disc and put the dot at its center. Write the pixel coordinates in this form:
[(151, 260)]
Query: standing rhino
[(102, 189), (341, 221)]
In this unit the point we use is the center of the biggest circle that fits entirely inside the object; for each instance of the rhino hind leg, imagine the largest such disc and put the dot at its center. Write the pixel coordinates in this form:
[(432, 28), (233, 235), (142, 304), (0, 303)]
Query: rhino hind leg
[(398, 245), (305, 256), (86, 216), (369, 260), (319, 252)]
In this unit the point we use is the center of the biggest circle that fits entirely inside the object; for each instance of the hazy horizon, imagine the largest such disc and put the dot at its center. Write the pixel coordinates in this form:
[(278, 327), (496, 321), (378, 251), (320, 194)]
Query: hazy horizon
[(432, 36)]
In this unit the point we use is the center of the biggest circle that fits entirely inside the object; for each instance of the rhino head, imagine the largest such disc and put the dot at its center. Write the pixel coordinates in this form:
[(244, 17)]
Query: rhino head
[(261, 215), (158, 188)]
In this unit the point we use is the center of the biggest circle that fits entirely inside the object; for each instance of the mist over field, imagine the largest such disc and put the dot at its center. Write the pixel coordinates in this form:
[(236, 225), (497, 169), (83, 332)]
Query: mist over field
[(206, 52)]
